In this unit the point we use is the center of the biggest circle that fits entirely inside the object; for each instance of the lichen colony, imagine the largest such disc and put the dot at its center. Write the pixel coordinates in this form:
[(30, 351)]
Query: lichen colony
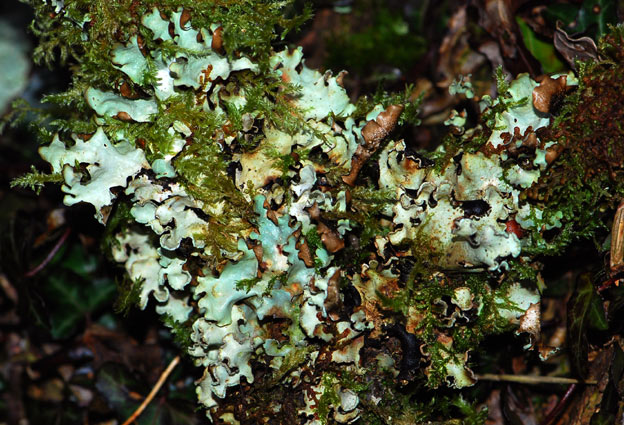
[(283, 233)]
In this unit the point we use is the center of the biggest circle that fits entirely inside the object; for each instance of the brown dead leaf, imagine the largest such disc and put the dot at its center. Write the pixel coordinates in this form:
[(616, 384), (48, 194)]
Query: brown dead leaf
[(495, 414), (517, 406), (304, 252), (110, 346), (571, 49), (616, 258), (456, 29), (50, 391), (333, 303), (492, 52), (8, 289), (497, 17)]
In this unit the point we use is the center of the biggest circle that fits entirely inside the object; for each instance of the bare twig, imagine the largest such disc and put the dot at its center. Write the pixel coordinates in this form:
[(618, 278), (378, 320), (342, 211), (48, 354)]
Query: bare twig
[(373, 133), (531, 379), (51, 255), (554, 413), (8, 289), (152, 394)]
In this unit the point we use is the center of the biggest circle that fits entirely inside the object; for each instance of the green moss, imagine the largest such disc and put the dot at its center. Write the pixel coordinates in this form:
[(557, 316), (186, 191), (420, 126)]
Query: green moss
[(489, 321), (181, 331), (281, 278), (249, 27), (408, 98), (247, 284), (472, 414), (421, 289), (283, 163), (270, 98), (37, 120), (367, 203), (329, 398), (35, 180), (296, 357), (421, 406), (314, 239), (585, 184), (128, 293), (502, 86), (204, 173)]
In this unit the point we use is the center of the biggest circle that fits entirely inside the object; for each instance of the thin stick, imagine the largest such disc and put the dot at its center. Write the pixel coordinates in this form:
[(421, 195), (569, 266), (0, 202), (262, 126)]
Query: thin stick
[(554, 413), (532, 380), (50, 256), (152, 394)]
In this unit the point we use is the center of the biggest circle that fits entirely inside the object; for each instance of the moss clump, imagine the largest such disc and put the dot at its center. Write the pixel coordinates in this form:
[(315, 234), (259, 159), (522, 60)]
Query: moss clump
[(586, 182), (249, 27)]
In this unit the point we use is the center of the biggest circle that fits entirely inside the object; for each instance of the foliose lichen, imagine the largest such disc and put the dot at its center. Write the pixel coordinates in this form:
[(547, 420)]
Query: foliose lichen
[(255, 226)]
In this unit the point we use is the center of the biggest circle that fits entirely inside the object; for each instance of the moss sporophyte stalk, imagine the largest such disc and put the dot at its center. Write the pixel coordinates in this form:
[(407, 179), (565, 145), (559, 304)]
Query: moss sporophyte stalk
[(253, 226)]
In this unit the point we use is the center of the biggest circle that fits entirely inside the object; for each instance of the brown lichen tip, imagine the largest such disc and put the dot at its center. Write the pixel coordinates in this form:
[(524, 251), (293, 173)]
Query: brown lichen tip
[(217, 40), (185, 17), (304, 253), (330, 238), (124, 116), (544, 93), (126, 91), (553, 152), (530, 322), (373, 133)]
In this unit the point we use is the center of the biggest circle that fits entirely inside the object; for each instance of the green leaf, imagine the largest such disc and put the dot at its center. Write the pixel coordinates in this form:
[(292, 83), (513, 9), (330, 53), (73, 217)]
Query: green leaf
[(543, 51), (71, 299), (595, 16), (591, 19), (114, 382), (585, 311), (79, 262), (563, 12)]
